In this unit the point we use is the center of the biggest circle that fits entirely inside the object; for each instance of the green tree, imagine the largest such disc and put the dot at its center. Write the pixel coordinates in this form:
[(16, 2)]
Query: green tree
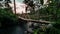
[(7, 17), (53, 9)]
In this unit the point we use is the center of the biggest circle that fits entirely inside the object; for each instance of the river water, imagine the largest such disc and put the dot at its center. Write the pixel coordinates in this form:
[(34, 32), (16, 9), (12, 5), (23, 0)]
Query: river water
[(16, 29)]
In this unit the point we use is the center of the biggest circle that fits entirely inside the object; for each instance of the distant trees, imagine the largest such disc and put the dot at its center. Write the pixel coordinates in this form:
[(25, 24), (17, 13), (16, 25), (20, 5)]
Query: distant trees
[(29, 3), (6, 3)]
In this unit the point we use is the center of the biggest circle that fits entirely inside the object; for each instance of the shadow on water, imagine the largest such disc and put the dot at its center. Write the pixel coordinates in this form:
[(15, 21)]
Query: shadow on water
[(15, 29)]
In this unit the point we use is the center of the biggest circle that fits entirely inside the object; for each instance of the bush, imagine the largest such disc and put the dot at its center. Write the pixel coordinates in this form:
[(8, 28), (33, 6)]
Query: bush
[(7, 17)]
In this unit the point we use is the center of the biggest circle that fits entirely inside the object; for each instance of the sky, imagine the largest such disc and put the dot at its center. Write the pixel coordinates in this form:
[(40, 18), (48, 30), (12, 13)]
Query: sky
[(20, 6), (20, 1)]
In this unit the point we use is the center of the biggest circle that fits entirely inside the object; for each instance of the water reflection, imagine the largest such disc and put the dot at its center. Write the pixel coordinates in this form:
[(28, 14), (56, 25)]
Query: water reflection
[(12, 30)]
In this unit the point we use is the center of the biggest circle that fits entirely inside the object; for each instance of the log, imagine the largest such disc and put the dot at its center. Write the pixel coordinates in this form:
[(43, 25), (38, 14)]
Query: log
[(37, 21)]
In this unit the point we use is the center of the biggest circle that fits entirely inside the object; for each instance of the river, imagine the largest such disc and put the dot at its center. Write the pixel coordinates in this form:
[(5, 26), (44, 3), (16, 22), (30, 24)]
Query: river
[(16, 29)]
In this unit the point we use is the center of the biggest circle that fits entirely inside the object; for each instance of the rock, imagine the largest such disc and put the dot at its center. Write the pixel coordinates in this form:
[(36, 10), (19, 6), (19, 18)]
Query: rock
[(49, 26), (35, 24), (30, 30)]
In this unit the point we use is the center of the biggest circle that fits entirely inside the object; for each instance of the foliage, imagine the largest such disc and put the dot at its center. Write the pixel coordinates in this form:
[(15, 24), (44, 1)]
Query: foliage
[(29, 3), (41, 2), (51, 31), (54, 10), (7, 17)]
